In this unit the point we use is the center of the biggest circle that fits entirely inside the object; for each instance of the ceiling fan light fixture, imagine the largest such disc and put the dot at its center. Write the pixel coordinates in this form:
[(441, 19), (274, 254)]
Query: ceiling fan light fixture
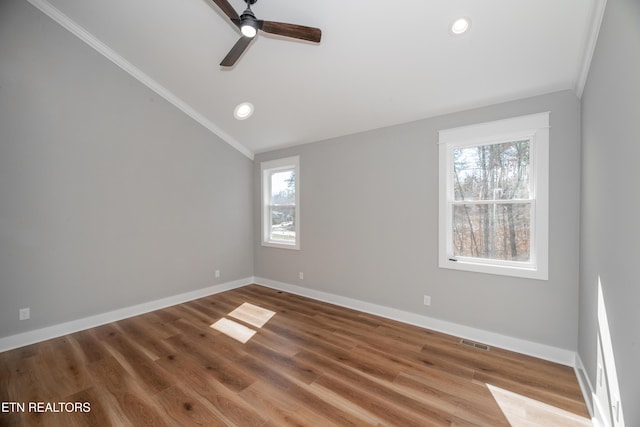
[(243, 111), (249, 28), (460, 26), (248, 22)]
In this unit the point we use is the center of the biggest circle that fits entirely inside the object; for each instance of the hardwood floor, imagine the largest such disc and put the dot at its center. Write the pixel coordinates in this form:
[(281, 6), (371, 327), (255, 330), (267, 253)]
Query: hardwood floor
[(311, 364)]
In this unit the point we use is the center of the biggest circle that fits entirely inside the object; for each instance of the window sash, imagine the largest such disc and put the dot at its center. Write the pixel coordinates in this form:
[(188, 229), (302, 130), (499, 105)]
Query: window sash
[(527, 178), (272, 225), (451, 234)]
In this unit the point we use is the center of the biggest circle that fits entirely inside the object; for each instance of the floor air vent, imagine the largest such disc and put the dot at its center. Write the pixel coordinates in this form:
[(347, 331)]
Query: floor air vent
[(475, 344)]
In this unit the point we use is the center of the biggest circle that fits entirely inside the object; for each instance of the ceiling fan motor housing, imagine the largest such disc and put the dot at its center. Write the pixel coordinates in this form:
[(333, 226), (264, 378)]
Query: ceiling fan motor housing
[(247, 15)]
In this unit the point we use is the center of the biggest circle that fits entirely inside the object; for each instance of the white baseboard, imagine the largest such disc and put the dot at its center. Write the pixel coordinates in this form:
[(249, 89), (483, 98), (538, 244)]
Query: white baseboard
[(31, 337), (554, 354), (542, 351), (598, 417)]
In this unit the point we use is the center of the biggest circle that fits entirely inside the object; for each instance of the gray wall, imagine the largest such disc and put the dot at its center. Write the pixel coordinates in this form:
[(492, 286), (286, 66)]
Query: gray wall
[(369, 227), (109, 196), (610, 224)]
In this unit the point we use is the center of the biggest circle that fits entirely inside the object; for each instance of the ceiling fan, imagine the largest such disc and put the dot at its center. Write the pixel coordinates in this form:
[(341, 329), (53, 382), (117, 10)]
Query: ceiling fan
[(249, 27)]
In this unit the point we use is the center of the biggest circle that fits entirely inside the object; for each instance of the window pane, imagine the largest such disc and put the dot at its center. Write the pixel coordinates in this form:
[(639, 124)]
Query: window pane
[(283, 227), (492, 172), (492, 231), (283, 188)]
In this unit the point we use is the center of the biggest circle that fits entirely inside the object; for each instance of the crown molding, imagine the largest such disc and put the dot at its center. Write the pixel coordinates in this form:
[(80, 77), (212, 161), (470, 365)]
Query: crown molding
[(73, 27), (597, 13)]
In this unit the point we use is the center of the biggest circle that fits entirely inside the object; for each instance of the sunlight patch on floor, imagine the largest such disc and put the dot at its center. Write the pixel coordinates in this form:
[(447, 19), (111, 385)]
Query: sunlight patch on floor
[(523, 411), (248, 313), (234, 330), (252, 314)]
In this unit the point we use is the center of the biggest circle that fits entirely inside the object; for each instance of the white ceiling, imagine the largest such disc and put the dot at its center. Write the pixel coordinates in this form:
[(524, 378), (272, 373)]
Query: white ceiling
[(379, 62)]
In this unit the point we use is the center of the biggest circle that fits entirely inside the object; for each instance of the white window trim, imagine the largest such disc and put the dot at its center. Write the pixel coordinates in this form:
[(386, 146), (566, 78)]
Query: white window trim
[(266, 169), (534, 127)]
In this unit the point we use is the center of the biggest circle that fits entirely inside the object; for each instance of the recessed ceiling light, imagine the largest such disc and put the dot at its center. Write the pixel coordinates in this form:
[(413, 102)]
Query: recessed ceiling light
[(243, 111), (460, 26)]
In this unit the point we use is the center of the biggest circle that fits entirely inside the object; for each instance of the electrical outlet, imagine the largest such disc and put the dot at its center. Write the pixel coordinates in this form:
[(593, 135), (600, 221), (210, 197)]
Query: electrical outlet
[(301, 275), (427, 300), (217, 273), (25, 313)]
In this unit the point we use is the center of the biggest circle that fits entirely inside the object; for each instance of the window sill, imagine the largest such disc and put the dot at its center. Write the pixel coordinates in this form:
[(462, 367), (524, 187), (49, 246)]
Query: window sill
[(292, 246), (537, 273)]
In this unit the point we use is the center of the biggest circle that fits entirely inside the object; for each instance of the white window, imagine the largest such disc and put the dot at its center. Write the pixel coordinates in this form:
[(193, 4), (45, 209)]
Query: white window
[(281, 203), (494, 184)]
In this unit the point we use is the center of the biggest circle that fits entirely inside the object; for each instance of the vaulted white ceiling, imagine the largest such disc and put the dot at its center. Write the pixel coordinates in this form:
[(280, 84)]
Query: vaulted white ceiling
[(379, 62)]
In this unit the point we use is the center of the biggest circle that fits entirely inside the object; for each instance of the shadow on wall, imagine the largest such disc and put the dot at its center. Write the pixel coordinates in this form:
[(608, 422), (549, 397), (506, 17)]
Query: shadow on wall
[(607, 402)]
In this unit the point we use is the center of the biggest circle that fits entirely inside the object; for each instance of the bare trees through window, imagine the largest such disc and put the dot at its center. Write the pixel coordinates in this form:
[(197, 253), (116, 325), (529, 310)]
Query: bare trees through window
[(492, 201)]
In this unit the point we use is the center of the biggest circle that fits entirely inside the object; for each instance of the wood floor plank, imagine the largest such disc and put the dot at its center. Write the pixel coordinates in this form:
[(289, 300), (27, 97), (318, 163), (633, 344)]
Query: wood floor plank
[(208, 362), (308, 336), (101, 411), (281, 410), (186, 410), (472, 403), (199, 375), (286, 364), (512, 368), (64, 363), (147, 336), (139, 365), (90, 348), (534, 391), (310, 364), (363, 391), (233, 407), (132, 399), (299, 392)]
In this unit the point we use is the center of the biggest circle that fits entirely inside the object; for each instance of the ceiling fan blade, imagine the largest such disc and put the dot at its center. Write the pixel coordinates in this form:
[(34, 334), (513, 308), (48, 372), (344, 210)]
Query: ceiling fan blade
[(236, 51), (227, 9), (291, 30)]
